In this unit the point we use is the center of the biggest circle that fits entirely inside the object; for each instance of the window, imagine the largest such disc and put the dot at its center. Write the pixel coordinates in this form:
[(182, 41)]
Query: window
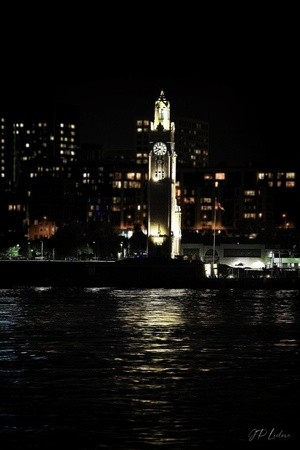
[(290, 184)]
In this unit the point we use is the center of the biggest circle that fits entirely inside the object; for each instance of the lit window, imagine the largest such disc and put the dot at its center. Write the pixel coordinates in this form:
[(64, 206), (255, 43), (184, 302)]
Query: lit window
[(220, 176), (134, 184), (290, 184), (291, 175)]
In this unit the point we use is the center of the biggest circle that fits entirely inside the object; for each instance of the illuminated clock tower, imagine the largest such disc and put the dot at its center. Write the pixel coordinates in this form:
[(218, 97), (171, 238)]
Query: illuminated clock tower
[(164, 216)]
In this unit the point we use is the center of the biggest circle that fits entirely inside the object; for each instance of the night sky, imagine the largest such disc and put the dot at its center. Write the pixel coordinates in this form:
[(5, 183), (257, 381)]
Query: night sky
[(249, 111), (235, 67)]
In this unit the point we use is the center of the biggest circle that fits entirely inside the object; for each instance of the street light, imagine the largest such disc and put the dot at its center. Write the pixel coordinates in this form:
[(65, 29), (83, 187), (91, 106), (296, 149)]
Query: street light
[(216, 205), (214, 237), (95, 249)]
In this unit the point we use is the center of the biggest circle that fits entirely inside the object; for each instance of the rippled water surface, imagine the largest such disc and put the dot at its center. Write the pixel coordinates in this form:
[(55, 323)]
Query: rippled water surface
[(179, 369)]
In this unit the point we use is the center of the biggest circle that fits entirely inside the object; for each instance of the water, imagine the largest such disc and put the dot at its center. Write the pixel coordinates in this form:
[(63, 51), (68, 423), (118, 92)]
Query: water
[(176, 369)]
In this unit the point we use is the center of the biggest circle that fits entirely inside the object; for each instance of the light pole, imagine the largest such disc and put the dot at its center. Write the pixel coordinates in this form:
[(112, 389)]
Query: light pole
[(42, 249), (214, 237), (95, 249)]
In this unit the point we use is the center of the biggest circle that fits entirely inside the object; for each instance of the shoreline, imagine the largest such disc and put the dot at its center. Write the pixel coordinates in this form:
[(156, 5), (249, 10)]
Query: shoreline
[(129, 274)]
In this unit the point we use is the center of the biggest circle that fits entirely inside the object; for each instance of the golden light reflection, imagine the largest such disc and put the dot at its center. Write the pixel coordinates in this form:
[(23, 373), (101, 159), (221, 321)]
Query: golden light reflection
[(154, 319), (166, 318)]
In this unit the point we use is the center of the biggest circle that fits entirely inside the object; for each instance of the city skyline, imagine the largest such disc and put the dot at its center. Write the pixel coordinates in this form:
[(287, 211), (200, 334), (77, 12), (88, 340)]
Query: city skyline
[(248, 119)]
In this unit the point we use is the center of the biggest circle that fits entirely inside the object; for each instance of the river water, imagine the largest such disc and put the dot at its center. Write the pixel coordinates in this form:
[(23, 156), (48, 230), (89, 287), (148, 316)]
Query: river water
[(103, 368)]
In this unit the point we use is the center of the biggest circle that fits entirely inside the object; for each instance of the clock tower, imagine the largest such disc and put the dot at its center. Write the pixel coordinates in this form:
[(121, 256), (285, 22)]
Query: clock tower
[(164, 216)]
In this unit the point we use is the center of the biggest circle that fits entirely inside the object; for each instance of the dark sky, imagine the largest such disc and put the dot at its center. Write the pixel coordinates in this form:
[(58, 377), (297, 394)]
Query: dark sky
[(249, 111), (236, 67)]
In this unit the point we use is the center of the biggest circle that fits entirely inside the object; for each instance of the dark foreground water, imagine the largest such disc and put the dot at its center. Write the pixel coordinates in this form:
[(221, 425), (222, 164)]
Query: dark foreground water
[(178, 369)]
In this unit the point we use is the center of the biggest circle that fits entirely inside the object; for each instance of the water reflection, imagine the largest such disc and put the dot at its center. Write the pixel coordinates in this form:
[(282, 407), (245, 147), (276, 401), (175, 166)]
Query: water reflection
[(179, 368)]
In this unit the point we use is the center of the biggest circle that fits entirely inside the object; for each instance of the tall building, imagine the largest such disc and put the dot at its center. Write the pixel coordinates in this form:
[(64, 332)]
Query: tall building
[(254, 198), (38, 153), (191, 138), (192, 142), (5, 160), (164, 217), (142, 141)]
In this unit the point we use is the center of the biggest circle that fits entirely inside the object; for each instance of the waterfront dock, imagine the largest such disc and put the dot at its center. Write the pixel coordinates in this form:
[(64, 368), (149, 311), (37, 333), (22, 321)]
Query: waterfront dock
[(139, 273)]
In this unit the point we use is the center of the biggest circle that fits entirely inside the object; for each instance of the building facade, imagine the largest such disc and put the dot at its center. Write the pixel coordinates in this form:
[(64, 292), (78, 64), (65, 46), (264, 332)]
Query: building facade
[(42, 175)]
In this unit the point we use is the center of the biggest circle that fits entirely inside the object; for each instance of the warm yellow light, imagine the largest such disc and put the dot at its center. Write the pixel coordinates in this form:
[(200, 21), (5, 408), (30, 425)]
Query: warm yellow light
[(158, 240)]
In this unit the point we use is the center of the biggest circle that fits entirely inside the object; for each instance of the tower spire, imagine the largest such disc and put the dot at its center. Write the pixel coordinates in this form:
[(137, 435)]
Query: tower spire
[(162, 97), (162, 112)]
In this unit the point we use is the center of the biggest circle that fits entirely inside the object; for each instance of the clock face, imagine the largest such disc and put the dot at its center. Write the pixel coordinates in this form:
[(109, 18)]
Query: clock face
[(160, 148)]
